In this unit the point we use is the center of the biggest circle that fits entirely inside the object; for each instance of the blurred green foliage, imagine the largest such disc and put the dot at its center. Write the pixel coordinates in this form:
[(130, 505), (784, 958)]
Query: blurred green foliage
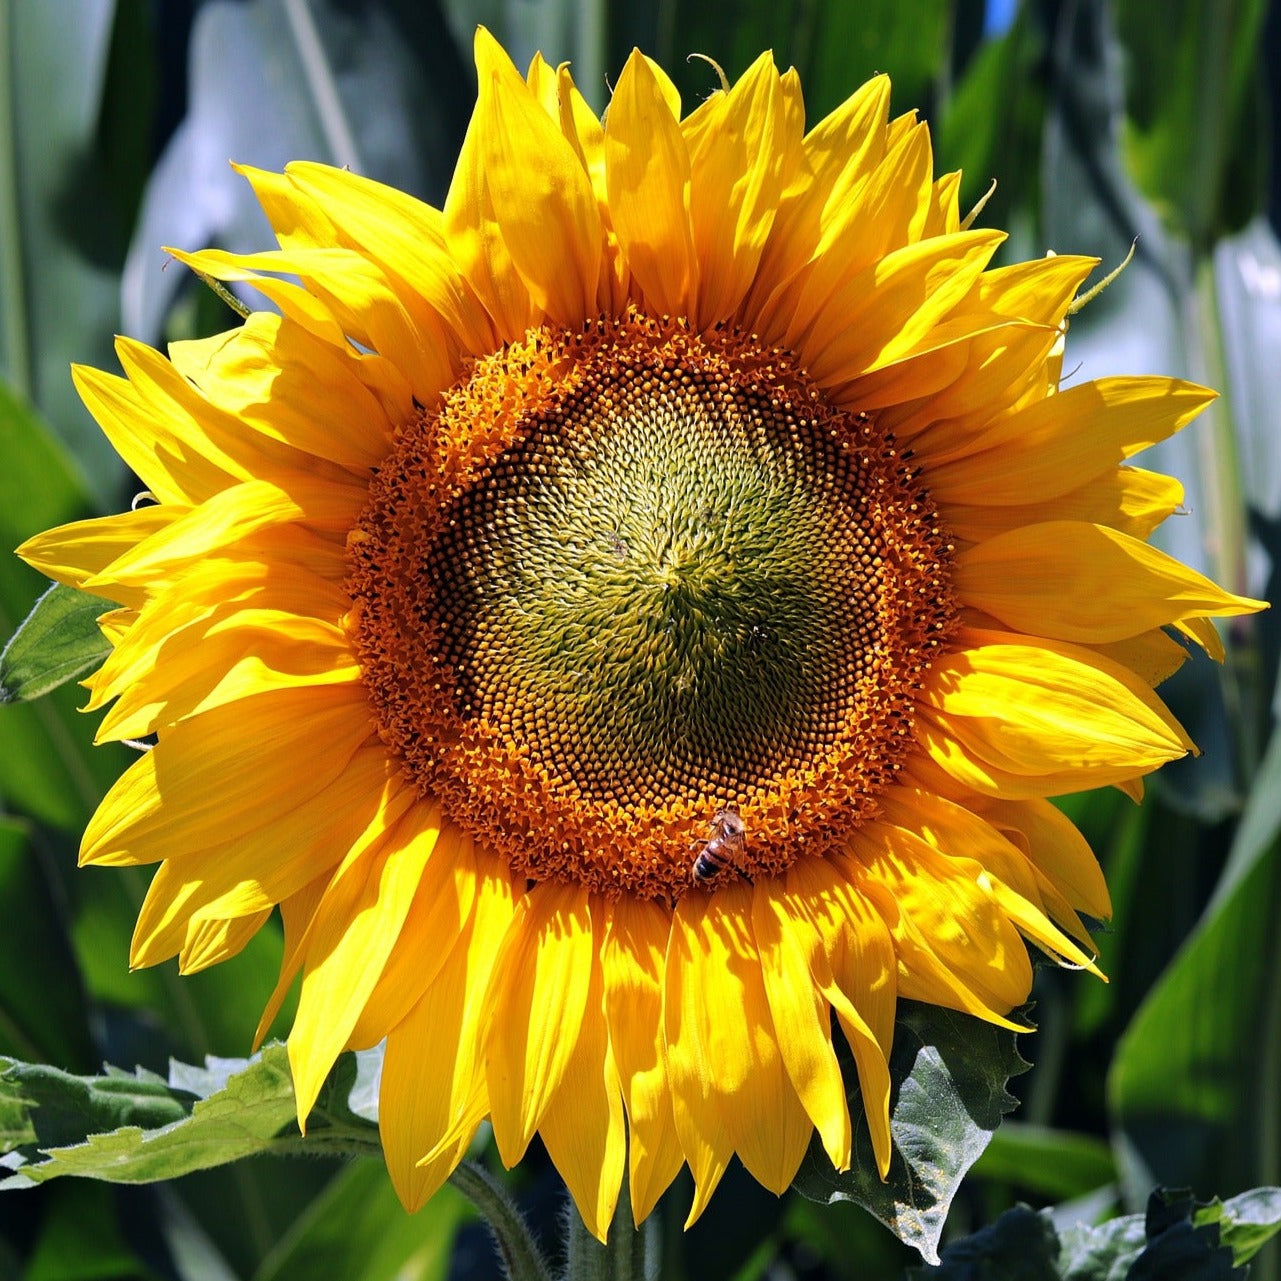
[(1100, 122)]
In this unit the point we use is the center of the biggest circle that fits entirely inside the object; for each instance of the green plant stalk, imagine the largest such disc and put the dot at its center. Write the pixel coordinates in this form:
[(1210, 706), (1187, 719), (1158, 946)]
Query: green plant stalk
[(1221, 470), (15, 360), (1268, 1266), (591, 68), (1211, 126), (325, 98), (623, 1257), (521, 1258)]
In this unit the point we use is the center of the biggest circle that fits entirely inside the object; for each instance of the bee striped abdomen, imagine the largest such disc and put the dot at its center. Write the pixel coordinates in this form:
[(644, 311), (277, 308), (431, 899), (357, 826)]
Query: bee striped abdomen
[(724, 847)]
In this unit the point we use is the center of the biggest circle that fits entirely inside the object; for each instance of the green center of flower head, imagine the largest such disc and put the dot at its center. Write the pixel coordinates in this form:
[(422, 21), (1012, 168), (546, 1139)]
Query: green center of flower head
[(629, 577)]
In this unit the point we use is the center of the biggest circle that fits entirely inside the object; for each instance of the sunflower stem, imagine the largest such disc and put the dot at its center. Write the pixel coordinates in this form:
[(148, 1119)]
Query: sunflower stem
[(624, 1256), (1227, 509), (522, 1259)]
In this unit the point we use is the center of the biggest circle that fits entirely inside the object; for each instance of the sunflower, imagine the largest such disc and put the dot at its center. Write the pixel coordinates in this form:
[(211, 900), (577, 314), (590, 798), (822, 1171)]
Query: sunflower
[(624, 617)]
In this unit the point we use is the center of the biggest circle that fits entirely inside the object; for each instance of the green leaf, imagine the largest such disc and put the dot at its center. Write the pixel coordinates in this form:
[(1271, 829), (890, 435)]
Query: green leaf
[(1105, 1252), (834, 47), (1191, 90), (949, 1072), (52, 773), (990, 126), (1176, 1238), (57, 642), (1020, 1246), (42, 1011), (1173, 1239), (62, 222), (1054, 1164), (64, 1108), (357, 1230), (382, 91), (1246, 1222), (1247, 273), (16, 1127), (80, 1238), (139, 1129), (1193, 1084)]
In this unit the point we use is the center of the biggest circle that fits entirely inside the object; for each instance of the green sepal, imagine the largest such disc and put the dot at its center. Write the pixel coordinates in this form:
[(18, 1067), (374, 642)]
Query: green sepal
[(57, 642)]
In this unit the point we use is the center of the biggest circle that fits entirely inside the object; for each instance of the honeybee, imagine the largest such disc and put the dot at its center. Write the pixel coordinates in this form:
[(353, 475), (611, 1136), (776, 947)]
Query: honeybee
[(724, 847)]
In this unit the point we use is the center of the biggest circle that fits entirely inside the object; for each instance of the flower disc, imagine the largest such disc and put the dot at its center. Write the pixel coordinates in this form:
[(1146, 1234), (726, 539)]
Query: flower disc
[(667, 578)]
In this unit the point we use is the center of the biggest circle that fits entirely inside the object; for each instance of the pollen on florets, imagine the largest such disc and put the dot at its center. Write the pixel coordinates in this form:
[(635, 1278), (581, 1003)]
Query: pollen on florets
[(625, 576)]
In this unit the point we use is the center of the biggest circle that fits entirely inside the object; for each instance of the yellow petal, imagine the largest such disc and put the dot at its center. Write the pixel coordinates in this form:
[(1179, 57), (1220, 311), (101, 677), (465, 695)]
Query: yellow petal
[(212, 594), (877, 215), (583, 1126), (634, 958), (475, 241), (1203, 633), (702, 1001), (719, 1027), (252, 651), (432, 1095), (227, 518), (944, 216), (542, 197), (296, 912), (298, 220), (837, 154), (437, 920), (278, 378), (1059, 716), (77, 553), (1039, 291), (304, 309), (1059, 851), (214, 884), (998, 866), (736, 179), (353, 932), (973, 356), (1086, 583), (647, 171), (275, 860), (1013, 317), (954, 830), (802, 1021), (1064, 440), (955, 945), (408, 358), (535, 1010), (251, 749), (585, 133), (407, 240), (887, 310), (155, 441), (1153, 656), (851, 958), (209, 942), (1127, 499)]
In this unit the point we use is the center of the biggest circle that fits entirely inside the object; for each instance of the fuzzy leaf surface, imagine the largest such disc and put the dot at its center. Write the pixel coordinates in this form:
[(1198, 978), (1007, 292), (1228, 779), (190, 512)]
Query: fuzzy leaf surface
[(949, 1073)]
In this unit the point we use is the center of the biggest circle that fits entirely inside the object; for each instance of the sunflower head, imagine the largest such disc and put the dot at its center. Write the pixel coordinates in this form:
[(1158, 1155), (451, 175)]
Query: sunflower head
[(628, 616)]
